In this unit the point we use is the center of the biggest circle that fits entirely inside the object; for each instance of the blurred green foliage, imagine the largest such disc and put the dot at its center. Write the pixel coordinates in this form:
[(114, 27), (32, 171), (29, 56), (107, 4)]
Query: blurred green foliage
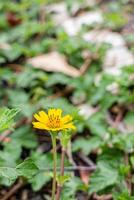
[(32, 89)]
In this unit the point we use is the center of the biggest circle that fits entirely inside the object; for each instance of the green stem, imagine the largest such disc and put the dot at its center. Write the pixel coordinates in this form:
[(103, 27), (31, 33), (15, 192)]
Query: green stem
[(59, 187), (54, 165)]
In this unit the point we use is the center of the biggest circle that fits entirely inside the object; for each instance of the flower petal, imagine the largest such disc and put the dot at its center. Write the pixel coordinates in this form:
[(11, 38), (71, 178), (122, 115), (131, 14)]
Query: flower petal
[(38, 118), (39, 125), (59, 112), (54, 112), (69, 126), (53, 120), (51, 111), (66, 119), (43, 115)]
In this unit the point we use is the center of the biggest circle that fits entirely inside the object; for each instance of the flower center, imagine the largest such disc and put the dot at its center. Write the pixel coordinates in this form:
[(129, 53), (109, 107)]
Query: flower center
[(54, 121)]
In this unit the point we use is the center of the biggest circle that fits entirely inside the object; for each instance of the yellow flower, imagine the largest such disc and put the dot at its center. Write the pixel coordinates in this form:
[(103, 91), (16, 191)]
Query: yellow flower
[(53, 120)]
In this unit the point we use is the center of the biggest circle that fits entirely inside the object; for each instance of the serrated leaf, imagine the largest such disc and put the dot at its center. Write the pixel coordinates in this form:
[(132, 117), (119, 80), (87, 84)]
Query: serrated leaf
[(87, 145), (108, 171), (39, 180), (129, 119), (25, 137), (6, 117), (27, 169), (10, 150), (71, 187), (122, 196), (102, 178), (62, 179), (97, 124), (8, 173), (44, 162)]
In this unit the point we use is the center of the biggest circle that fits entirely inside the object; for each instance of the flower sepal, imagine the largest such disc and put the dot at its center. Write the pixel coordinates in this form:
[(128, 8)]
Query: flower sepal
[(65, 137), (62, 179)]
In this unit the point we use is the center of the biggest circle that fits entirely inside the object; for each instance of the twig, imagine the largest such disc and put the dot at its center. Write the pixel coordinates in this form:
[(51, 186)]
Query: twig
[(89, 57), (15, 67), (13, 190), (42, 14), (85, 66), (59, 187), (8, 132), (72, 168), (4, 135), (118, 118), (66, 91), (86, 159), (116, 124), (103, 197), (24, 195), (129, 176), (69, 154)]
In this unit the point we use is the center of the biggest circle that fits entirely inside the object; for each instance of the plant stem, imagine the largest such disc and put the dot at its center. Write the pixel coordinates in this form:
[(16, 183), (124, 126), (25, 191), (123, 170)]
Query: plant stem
[(54, 165), (61, 174), (13, 190)]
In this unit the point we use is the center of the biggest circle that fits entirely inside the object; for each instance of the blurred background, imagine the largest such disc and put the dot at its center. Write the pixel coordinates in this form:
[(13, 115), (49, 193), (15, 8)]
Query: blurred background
[(79, 56)]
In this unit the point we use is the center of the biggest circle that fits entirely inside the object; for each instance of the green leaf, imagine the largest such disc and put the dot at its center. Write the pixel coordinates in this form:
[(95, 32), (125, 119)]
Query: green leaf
[(110, 157), (103, 178), (22, 101), (71, 187), (62, 179), (87, 145), (115, 19), (65, 137), (124, 142), (30, 78), (8, 173), (39, 180), (10, 154), (129, 121), (6, 117), (97, 124), (108, 171), (27, 169), (122, 196), (25, 137), (132, 160), (129, 118), (44, 162), (129, 142), (57, 78)]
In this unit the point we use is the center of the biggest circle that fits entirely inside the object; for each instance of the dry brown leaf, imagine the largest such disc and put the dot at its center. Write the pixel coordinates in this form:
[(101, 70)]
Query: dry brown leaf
[(102, 197), (84, 176), (116, 58), (100, 36), (58, 11), (5, 46), (53, 62), (87, 110), (73, 25)]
